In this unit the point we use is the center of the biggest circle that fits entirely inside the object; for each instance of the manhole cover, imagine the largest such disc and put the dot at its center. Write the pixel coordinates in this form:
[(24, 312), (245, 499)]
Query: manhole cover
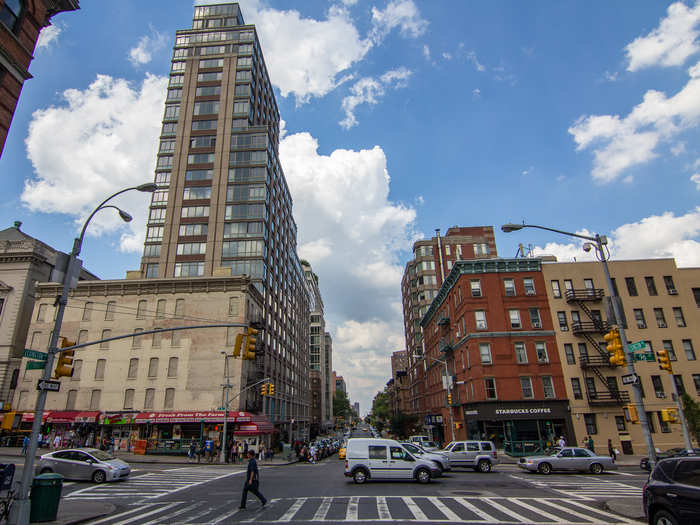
[(465, 493)]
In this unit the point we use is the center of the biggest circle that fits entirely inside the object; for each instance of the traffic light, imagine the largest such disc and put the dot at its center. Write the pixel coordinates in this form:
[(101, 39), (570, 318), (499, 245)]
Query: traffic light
[(614, 347), (64, 367), (263, 389), (250, 344), (631, 413), (664, 360), (270, 389), (449, 399), (239, 344), (670, 415)]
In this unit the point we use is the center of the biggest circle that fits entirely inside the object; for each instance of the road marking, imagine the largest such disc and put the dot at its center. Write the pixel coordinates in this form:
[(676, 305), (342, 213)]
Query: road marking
[(506, 511), (483, 515), (322, 511), (177, 513), (287, 516), (353, 508), (383, 509), (541, 512), (443, 508), (414, 508)]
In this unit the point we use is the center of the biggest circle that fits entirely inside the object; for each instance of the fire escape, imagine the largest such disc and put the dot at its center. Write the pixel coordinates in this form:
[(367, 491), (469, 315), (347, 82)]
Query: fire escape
[(591, 365)]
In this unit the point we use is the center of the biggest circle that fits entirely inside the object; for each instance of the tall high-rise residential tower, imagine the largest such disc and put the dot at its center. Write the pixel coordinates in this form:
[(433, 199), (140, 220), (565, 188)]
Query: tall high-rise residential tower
[(223, 206)]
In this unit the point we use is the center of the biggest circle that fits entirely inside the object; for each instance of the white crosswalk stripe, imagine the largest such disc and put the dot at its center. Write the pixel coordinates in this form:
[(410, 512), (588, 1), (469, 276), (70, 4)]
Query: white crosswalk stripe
[(151, 485), (585, 487), (367, 509)]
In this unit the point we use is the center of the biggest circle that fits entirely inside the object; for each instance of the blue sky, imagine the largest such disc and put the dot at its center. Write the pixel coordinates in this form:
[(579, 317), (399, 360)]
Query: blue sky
[(400, 117)]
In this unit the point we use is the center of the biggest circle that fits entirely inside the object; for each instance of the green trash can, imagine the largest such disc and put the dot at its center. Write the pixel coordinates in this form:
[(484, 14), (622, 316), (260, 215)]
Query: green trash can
[(45, 497)]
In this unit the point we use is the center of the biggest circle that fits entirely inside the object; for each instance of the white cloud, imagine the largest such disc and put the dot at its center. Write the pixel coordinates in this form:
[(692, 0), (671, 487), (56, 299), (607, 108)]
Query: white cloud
[(610, 77), (678, 149), (696, 179), (398, 13), (471, 57), (476, 92), (48, 37), (147, 46), (447, 56), (656, 236), (100, 140), (349, 2), (528, 171), (621, 143), (369, 90), (671, 43), (426, 52)]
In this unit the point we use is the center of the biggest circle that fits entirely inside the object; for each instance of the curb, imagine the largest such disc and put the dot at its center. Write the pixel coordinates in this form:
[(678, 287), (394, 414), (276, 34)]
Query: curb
[(628, 515)]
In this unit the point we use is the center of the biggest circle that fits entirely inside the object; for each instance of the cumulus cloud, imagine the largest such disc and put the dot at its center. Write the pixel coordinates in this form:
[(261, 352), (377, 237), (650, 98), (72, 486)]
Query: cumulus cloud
[(610, 77), (621, 143), (370, 90), (671, 43), (48, 37), (656, 236), (98, 141), (696, 179), (402, 14), (146, 47)]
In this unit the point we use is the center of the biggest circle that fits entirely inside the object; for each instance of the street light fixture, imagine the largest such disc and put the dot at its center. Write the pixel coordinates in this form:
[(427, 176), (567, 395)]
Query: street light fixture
[(20, 510), (599, 243)]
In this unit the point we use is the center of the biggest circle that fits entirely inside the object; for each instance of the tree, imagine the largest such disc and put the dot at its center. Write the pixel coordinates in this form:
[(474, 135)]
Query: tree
[(691, 410), (402, 425), (381, 410), (341, 404)]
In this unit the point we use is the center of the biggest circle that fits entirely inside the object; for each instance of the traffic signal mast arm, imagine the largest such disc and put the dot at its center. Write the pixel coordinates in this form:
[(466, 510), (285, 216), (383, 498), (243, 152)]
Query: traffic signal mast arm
[(248, 388)]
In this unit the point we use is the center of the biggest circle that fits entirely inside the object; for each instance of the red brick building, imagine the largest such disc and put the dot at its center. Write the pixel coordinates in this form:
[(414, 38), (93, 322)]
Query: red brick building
[(20, 24), (490, 343)]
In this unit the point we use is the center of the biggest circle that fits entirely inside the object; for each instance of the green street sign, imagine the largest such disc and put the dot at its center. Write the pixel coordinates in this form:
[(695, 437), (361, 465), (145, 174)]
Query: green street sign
[(36, 365), (645, 356), (639, 345), (35, 354)]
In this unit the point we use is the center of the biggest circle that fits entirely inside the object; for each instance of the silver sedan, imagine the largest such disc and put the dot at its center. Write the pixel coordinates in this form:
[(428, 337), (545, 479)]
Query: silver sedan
[(568, 458), (84, 463)]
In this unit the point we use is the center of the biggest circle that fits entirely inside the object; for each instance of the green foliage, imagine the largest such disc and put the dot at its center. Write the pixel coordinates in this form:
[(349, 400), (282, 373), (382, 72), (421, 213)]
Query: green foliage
[(402, 425), (691, 410), (341, 404), (381, 410)]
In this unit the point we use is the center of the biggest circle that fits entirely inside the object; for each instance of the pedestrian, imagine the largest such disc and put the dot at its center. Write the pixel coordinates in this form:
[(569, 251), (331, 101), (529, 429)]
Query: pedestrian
[(261, 455), (240, 451), (562, 442), (56, 442), (252, 481), (585, 442), (245, 448), (209, 449), (191, 452), (25, 444), (611, 450), (200, 450), (590, 444)]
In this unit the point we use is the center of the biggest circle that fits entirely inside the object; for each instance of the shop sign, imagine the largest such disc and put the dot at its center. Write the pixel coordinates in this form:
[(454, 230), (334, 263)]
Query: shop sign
[(191, 416), (522, 411), (433, 419), (501, 411)]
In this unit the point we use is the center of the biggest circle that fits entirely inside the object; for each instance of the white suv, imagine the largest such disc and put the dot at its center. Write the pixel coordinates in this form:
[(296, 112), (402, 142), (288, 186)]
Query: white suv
[(479, 455), (371, 458)]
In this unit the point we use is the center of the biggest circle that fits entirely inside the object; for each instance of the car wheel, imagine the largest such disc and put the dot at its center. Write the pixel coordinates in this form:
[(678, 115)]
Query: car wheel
[(664, 517), (484, 466), (46, 470), (423, 476), (596, 468), (99, 476), (544, 468), (360, 476)]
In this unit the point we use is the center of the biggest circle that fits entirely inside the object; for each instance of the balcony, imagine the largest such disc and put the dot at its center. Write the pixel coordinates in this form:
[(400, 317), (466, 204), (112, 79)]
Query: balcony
[(616, 397), (443, 321), (584, 294), (587, 361), (445, 346), (589, 327)]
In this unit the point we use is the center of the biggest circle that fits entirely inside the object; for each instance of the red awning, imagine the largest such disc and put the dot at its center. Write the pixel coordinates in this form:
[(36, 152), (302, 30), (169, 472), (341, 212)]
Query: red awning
[(87, 417), (28, 417), (193, 416), (62, 416), (250, 429)]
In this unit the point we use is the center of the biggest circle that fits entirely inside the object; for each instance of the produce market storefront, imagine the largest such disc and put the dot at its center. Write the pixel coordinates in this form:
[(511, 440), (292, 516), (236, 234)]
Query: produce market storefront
[(519, 427), (74, 428), (120, 428)]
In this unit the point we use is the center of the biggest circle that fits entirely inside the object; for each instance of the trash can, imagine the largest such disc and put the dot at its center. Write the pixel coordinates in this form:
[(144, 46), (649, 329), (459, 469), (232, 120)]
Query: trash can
[(45, 497)]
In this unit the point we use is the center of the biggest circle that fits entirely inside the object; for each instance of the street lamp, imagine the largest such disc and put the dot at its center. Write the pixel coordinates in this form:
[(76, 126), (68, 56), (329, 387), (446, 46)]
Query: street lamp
[(599, 243), (448, 384), (20, 510), (226, 386)]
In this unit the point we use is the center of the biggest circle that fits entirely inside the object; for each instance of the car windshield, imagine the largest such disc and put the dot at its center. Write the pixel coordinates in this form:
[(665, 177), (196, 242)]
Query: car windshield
[(551, 451), (431, 444), (101, 455)]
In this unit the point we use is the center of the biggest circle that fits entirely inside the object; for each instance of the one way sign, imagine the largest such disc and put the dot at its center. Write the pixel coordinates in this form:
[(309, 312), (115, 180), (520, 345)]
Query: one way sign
[(46, 384)]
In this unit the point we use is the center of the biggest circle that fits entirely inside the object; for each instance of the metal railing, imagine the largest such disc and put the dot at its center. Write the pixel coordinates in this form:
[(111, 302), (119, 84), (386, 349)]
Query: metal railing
[(584, 294)]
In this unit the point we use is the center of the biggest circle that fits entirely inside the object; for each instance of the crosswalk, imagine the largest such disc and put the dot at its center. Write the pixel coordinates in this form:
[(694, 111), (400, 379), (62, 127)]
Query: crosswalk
[(585, 487), (365, 509), (151, 485)]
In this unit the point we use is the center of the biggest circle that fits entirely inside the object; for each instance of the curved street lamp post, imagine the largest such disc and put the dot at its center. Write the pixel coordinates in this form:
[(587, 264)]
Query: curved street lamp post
[(598, 243), (20, 510)]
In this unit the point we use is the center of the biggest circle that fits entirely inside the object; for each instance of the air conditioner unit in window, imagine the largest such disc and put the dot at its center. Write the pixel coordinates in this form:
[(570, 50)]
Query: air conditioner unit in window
[(672, 291), (661, 395)]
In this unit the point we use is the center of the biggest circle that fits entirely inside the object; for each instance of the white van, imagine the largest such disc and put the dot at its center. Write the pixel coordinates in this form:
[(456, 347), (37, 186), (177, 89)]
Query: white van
[(373, 458)]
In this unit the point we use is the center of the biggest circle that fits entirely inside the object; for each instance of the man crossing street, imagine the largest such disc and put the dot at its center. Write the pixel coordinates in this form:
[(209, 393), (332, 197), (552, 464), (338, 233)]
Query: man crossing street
[(252, 481)]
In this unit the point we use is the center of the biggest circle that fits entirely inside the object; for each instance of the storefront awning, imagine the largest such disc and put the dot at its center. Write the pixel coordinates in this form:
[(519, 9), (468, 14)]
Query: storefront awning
[(71, 416), (250, 429), (193, 416), (28, 417)]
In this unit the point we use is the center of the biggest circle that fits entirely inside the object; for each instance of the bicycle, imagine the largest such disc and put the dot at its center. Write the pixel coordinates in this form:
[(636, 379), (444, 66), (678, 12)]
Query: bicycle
[(7, 494)]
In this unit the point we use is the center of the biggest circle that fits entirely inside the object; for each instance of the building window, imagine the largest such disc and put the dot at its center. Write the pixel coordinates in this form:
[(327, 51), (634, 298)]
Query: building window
[(660, 317), (526, 387), (696, 296), (548, 387), (620, 423), (485, 352), (591, 390), (481, 248), (172, 367), (576, 388), (129, 398), (490, 385), (176, 339), (520, 353), (663, 425), (678, 379), (631, 286), (529, 285), (70, 401), (106, 334), (563, 322), (476, 287), (480, 317), (509, 285), (583, 351), (82, 336), (678, 316), (154, 233), (169, 398), (11, 13), (141, 309), (153, 367), (535, 320), (658, 386), (77, 369), (189, 269), (157, 337), (136, 340), (591, 427), (95, 399), (206, 108), (100, 369), (556, 291), (541, 349), (192, 248), (639, 317), (696, 382), (109, 311), (133, 368), (87, 312), (179, 308), (233, 306), (651, 286), (160, 309), (41, 313), (569, 352), (670, 287), (149, 398), (688, 347), (514, 319), (668, 346)]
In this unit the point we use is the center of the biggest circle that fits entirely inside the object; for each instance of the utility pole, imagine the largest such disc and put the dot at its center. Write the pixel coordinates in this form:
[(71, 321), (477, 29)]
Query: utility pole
[(226, 386)]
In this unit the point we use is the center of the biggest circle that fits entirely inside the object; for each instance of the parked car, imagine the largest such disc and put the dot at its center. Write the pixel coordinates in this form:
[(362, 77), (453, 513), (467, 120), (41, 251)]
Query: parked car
[(479, 455), (670, 453), (671, 496), (567, 458), (372, 458), (342, 449), (84, 464), (439, 458)]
